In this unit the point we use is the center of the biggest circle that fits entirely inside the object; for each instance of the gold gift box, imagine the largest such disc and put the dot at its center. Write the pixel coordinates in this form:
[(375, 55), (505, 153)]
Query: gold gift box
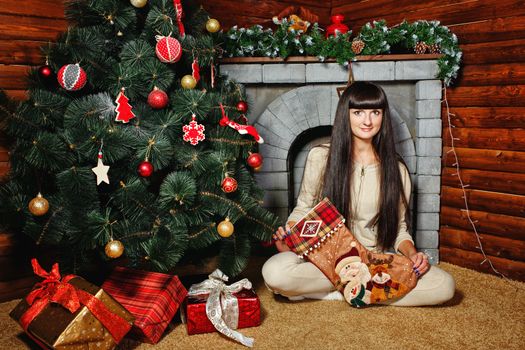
[(60, 329)]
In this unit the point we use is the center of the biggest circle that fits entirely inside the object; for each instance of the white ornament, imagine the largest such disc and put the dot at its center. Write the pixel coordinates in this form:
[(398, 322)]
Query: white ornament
[(101, 171)]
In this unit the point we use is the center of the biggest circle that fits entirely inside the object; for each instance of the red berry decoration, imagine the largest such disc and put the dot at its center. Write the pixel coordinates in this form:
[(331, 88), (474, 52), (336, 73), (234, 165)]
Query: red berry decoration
[(229, 185), (168, 49), (72, 77), (45, 72), (158, 99), (242, 106), (145, 169), (255, 160)]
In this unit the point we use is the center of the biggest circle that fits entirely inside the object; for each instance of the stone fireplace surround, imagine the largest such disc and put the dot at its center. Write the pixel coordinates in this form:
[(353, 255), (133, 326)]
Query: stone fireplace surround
[(292, 105)]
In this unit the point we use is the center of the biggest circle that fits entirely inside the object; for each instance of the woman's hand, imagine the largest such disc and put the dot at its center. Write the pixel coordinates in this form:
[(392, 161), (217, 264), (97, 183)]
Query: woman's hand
[(278, 236), (421, 265)]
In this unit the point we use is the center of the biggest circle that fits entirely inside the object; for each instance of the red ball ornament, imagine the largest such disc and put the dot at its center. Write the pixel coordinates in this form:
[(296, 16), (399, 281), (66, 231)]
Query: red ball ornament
[(72, 77), (255, 160), (145, 169), (229, 185), (45, 72), (158, 99), (242, 106), (168, 49)]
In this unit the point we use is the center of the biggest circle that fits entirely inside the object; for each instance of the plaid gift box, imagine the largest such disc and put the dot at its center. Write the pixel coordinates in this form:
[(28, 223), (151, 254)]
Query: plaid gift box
[(152, 298)]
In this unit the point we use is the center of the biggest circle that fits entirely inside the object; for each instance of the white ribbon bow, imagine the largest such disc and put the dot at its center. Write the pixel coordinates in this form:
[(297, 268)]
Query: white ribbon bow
[(222, 308)]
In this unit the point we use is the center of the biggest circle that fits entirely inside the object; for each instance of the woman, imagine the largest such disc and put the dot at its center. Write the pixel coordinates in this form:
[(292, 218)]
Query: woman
[(362, 175)]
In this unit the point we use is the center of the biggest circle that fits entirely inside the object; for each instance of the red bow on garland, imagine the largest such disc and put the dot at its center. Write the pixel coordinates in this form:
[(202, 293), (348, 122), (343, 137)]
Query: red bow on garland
[(53, 289)]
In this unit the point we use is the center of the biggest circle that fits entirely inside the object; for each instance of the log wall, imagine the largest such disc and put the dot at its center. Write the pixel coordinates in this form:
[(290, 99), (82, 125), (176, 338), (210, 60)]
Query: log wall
[(24, 28)]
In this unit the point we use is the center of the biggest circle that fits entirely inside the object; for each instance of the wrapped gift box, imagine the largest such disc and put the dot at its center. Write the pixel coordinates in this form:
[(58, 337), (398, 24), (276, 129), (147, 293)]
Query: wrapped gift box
[(198, 322), (152, 298), (55, 314)]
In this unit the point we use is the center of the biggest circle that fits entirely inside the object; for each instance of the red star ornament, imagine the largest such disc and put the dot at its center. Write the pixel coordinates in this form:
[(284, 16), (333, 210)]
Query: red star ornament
[(193, 132)]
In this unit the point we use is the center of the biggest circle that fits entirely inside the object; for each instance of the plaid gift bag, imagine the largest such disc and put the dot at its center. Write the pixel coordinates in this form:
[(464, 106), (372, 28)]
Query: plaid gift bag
[(364, 277), (152, 298)]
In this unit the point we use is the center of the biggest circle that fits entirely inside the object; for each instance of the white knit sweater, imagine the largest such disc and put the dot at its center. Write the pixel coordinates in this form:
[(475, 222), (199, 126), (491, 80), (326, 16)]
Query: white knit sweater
[(365, 197)]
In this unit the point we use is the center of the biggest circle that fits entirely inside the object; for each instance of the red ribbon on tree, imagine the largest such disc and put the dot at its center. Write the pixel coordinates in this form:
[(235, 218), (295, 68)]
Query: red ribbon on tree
[(241, 129), (195, 70), (53, 289), (179, 12)]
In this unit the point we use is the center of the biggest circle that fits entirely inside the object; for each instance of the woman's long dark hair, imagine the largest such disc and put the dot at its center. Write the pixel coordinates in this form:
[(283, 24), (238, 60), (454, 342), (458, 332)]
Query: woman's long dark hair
[(339, 168)]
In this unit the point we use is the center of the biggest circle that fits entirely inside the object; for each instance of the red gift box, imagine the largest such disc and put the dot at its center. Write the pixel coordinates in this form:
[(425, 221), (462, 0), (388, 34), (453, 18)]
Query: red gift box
[(198, 322), (152, 298)]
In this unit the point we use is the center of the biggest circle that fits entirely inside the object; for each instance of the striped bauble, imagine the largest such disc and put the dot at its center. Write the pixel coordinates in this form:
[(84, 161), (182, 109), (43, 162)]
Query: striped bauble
[(72, 77), (168, 49)]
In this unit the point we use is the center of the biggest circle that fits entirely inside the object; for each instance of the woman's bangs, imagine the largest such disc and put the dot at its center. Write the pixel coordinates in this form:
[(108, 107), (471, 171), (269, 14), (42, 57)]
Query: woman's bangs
[(367, 97)]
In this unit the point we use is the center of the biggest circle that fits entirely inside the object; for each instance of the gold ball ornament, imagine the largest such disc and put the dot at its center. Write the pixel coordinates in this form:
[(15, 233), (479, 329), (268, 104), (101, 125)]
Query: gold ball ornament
[(225, 228), (38, 205), (139, 3), (114, 249), (212, 25), (188, 82)]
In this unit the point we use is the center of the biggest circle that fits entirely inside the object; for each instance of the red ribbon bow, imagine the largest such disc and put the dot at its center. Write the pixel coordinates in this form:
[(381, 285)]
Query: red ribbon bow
[(53, 289)]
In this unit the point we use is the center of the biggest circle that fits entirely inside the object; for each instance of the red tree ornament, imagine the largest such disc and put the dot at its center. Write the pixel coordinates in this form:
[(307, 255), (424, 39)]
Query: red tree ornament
[(145, 169), (193, 132), (255, 160), (179, 12), (124, 113), (242, 106), (72, 77), (229, 185), (168, 49), (45, 72), (337, 27), (157, 98), (195, 71)]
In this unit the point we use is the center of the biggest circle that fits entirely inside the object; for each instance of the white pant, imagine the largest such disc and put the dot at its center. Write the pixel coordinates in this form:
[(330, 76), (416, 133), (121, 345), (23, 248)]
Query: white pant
[(286, 274)]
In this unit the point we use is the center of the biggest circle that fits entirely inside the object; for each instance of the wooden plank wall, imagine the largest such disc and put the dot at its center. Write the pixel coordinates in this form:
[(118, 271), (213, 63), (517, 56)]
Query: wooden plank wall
[(489, 106), (245, 13), (24, 27)]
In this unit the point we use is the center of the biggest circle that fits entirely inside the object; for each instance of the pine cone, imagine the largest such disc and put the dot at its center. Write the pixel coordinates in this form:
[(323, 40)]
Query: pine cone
[(434, 48), (421, 47), (358, 46)]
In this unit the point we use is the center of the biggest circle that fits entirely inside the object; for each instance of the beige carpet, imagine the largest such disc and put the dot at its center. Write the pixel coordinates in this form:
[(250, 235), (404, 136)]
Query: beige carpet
[(486, 313)]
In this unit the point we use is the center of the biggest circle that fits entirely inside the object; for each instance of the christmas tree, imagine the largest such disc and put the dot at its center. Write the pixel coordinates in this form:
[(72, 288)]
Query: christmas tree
[(122, 152)]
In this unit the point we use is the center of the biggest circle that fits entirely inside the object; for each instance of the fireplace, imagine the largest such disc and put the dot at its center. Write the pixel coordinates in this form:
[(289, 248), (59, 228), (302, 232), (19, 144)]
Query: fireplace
[(292, 104)]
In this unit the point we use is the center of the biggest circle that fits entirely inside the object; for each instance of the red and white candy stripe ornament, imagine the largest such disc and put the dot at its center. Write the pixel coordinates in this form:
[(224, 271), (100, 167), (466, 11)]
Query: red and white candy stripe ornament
[(72, 77), (168, 49)]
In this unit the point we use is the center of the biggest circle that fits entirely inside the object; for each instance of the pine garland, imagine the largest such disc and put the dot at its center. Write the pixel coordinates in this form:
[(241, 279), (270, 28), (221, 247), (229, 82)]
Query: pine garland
[(376, 36)]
